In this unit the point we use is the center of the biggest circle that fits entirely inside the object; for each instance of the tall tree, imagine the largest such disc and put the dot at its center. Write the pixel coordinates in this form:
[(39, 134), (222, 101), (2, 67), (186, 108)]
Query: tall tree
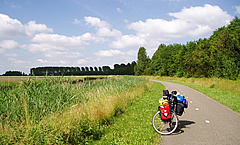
[(156, 64), (141, 67)]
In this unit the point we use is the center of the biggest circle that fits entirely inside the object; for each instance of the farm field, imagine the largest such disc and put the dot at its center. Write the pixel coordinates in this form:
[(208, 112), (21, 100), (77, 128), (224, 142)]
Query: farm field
[(12, 79)]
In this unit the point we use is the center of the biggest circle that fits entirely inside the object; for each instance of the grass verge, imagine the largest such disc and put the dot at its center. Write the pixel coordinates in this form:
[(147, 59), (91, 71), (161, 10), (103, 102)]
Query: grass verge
[(135, 125)]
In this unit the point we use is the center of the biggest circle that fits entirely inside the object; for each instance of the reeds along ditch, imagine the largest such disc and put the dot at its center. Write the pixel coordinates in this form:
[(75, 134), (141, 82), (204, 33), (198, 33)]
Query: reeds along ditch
[(56, 111)]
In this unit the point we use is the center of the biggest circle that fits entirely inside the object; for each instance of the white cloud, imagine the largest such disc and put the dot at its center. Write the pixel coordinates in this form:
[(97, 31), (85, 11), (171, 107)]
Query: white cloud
[(91, 37), (104, 31), (54, 42), (12, 28), (103, 28), (43, 48), (129, 42), (8, 44), (208, 15), (194, 22), (159, 29), (60, 40), (31, 28), (237, 9), (96, 22), (109, 53), (42, 61)]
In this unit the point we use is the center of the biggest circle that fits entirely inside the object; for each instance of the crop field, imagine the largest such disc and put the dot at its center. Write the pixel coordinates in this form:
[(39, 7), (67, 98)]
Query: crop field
[(63, 110), (12, 79)]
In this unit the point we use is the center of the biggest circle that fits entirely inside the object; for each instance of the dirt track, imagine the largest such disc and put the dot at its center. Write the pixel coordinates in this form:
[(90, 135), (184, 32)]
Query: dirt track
[(205, 122)]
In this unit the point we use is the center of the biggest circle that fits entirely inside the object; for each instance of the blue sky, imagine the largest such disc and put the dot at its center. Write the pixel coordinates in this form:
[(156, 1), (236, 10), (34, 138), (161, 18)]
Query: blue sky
[(36, 33)]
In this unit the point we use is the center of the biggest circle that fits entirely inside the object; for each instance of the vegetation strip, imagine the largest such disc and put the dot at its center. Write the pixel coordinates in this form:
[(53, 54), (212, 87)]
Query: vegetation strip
[(56, 111), (135, 126)]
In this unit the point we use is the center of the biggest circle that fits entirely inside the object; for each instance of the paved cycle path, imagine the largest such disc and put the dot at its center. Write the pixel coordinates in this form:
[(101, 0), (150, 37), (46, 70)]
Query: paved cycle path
[(205, 122)]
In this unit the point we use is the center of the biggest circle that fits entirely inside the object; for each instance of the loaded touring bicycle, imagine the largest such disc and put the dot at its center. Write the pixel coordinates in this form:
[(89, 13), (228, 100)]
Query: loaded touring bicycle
[(165, 120)]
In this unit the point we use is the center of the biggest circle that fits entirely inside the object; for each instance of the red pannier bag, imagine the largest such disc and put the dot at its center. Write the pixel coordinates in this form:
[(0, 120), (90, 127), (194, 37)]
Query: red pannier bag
[(165, 112)]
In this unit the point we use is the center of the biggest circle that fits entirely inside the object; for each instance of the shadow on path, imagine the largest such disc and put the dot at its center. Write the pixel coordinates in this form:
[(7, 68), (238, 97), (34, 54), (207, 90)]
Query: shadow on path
[(183, 124)]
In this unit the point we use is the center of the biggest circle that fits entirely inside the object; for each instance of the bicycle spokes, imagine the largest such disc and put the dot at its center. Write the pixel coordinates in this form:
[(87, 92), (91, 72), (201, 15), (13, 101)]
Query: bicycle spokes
[(164, 126)]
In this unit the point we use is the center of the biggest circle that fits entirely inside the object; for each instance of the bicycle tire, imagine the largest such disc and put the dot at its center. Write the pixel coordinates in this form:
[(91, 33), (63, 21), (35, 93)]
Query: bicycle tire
[(164, 127)]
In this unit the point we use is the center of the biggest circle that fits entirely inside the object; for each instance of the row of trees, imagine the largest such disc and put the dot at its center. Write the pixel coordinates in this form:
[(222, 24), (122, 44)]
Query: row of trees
[(14, 73), (217, 56), (121, 69)]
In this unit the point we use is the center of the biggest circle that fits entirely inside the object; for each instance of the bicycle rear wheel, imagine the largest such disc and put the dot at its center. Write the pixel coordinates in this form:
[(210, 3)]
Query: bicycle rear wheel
[(164, 126)]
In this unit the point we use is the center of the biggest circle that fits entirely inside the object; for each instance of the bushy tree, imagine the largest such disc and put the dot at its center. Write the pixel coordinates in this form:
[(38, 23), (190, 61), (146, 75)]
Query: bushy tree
[(142, 66)]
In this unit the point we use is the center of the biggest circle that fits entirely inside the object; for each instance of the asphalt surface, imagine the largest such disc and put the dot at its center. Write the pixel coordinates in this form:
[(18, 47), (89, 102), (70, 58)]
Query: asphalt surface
[(204, 122)]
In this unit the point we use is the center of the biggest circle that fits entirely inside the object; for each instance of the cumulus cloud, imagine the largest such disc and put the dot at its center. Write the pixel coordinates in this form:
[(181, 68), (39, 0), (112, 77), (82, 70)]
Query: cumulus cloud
[(108, 53), (208, 15), (43, 48), (159, 29), (12, 28), (54, 42), (8, 44), (59, 40), (93, 21), (192, 22), (128, 41), (103, 28)]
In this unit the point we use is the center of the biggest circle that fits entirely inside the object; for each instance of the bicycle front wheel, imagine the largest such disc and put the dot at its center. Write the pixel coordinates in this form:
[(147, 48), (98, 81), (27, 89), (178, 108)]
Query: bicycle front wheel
[(164, 127)]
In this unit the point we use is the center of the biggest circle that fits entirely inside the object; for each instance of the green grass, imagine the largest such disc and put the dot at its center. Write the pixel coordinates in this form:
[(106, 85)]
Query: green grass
[(227, 92), (135, 126)]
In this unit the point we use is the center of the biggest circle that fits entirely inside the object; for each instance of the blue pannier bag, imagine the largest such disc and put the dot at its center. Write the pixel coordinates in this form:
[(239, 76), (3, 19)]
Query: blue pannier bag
[(180, 99)]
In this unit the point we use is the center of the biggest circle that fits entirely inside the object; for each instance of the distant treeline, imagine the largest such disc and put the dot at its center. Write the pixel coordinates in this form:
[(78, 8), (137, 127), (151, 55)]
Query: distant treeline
[(121, 69), (14, 73), (217, 56)]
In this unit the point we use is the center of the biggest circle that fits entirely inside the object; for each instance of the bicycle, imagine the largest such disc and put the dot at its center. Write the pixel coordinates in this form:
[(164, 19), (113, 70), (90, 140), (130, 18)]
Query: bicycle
[(166, 126)]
